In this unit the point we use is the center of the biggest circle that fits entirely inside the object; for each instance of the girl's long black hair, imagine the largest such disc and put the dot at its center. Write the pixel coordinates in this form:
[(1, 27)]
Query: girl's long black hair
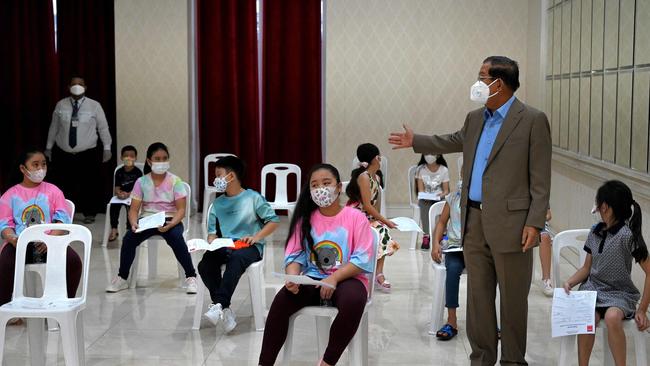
[(440, 160), (305, 207), (152, 150), (365, 153), (618, 196)]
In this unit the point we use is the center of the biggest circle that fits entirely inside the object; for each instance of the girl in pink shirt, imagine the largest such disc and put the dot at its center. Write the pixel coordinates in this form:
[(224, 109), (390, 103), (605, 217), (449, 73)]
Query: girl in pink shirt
[(32, 202), (327, 242)]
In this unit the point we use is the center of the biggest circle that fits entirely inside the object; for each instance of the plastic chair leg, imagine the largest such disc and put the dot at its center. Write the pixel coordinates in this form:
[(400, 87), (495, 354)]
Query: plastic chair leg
[(36, 334), (358, 347), (71, 332), (288, 343), (567, 350), (3, 331), (322, 333), (640, 348), (608, 358), (438, 298), (152, 263), (257, 294), (414, 234), (198, 305), (107, 226)]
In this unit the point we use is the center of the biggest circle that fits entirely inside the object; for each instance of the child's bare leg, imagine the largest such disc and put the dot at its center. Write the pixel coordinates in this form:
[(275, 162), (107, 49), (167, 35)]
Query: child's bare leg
[(586, 345), (615, 334), (545, 256)]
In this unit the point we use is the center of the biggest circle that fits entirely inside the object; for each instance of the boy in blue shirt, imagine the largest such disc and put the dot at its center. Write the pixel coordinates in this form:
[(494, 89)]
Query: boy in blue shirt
[(241, 214)]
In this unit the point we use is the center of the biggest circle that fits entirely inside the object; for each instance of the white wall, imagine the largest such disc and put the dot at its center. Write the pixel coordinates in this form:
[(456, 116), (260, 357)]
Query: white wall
[(151, 63), (403, 61)]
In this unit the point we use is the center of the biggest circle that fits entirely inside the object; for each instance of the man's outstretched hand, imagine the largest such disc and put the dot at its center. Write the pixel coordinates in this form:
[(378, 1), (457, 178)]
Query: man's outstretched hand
[(401, 140)]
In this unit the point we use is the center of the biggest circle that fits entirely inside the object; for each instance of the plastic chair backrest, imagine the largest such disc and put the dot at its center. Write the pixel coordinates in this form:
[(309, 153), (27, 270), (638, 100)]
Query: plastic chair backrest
[(371, 277), (413, 195), (55, 286), (383, 166), (568, 239), (205, 219), (188, 208), (281, 171), (138, 165), (211, 158), (72, 208), (434, 213)]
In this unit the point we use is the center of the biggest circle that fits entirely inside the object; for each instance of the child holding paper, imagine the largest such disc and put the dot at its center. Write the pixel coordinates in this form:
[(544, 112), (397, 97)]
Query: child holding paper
[(611, 246), (125, 178), (326, 242), (156, 192), (237, 214), (363, 194), (431, 178)]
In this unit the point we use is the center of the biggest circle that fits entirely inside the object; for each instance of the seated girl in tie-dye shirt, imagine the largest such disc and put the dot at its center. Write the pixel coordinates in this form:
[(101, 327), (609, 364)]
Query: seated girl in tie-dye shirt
[(32, 202), (328, 242)]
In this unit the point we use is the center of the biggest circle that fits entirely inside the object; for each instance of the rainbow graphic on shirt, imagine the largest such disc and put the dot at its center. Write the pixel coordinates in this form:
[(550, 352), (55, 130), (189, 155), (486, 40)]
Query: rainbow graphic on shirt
[(327, 253), (32, 215)]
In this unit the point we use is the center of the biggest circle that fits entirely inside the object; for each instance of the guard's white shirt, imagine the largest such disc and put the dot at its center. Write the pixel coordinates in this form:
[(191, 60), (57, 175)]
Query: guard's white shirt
[(92, 122)]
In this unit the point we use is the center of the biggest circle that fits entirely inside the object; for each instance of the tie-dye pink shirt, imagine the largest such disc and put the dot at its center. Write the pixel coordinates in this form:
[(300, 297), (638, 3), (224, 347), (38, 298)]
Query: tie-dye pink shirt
[(344, 238), (156, 199), (21, 207)]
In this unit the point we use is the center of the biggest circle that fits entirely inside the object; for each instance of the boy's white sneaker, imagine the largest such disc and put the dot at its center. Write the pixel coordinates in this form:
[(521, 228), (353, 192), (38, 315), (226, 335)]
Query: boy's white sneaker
[(190, 285), (229, 322), (214, 314), (118, 284), (547, 287)]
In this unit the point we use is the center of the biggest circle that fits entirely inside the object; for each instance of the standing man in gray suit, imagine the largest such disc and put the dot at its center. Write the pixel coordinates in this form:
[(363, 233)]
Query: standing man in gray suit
[(506, 148)]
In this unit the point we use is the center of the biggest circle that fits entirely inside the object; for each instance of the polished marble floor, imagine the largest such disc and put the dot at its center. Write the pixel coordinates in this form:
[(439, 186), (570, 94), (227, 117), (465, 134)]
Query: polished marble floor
[(151, 325)]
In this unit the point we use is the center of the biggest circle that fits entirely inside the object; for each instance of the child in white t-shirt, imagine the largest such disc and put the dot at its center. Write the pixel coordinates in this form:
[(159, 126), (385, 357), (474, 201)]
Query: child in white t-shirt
[(432, 179)]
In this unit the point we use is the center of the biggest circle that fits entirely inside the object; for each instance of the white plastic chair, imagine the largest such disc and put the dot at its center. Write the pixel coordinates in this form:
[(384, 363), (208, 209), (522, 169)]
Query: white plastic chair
[(324, 315), (107, 223), (38, 269), (257, 285), (439, 274), (55, 302), (413, 202), (152, 248), (281, 172), (208, 189), (576, 239)]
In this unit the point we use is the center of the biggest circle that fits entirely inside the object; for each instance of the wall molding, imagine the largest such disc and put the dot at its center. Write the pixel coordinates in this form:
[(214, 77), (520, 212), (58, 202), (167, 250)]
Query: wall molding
[(638, 182)]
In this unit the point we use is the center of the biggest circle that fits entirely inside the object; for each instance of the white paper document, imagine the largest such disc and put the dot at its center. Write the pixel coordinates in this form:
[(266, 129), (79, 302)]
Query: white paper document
[(151, 222), (406, 224), (573, 313), (301, 280), (120, 201), (428, 196), (199, 244)]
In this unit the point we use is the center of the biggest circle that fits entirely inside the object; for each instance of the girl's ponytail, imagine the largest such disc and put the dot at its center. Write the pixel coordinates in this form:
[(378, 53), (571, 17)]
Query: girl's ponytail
[(639, 248)]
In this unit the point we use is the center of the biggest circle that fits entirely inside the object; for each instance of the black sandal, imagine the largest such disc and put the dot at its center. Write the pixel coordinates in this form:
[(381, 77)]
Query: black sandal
[(446, 333)]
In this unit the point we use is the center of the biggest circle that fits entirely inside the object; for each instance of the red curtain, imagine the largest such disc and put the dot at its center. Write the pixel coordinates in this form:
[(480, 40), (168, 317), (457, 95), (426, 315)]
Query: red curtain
[(86, 48), (291, 86), (228, 83), (28, 80)]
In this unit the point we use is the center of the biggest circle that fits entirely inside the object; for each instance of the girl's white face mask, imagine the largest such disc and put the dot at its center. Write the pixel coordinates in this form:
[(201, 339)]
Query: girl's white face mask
[(480, 92), (36, 176), (324, 196), (595, 215), (430, 159), (160, 167)]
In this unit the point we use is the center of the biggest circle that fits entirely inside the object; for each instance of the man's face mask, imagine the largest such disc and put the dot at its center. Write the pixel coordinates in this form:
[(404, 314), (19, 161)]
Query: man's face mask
[(480, 91)]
